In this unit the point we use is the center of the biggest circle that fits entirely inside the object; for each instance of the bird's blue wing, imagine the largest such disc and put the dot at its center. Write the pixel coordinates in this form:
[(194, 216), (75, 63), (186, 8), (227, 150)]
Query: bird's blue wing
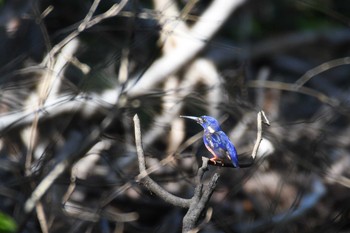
[(220, 146), (231, 152)]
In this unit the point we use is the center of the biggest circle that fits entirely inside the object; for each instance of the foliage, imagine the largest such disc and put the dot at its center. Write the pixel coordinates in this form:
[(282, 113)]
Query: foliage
[(7, 224)]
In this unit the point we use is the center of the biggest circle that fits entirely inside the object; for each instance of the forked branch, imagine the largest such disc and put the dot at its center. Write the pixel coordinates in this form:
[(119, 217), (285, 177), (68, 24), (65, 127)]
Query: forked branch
[(202, 192), (201, 196)]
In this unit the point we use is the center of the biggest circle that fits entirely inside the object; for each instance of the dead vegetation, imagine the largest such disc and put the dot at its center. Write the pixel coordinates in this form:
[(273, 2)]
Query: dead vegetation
[(74, 74)]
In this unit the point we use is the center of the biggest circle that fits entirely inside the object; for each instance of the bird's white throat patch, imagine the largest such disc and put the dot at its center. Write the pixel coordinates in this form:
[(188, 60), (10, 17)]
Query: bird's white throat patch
[(211, 130)]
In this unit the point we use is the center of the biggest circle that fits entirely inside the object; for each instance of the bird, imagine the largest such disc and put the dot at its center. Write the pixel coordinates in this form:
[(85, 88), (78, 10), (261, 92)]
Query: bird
[(216, 141)]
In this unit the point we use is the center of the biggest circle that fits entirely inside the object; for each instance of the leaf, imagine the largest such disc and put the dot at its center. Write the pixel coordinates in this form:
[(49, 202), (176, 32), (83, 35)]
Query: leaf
[(7, 224)]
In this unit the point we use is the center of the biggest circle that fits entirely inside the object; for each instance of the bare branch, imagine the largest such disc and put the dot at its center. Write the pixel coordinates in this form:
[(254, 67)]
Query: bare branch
[(84, 103), (259, 132), (89, 15), (320, 69), (147, 181), (201, 199), (202, 193), (291, 87), (88, 22), (219, 10)]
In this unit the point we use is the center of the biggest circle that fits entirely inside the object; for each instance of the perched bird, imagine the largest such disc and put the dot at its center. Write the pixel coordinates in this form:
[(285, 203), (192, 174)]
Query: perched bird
[(216, 141)]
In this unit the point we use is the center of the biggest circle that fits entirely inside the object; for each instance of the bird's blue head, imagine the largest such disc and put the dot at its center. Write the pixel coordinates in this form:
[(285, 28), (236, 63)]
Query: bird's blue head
[(209, 123)]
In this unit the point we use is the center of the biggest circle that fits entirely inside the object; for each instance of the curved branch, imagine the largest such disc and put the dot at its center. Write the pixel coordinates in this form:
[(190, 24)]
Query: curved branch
[(202, 193), (147, 181)]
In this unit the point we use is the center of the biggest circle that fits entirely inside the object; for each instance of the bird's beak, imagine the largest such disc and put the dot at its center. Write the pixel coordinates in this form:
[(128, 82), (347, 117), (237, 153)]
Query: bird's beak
[(197, 119)]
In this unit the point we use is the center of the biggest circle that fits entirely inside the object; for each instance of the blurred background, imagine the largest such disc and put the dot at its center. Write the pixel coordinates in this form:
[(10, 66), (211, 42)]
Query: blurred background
[(74, 73)]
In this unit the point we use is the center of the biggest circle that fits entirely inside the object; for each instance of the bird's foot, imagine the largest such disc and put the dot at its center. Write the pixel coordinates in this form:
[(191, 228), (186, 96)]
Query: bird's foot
[(213, 160), (216, 160)]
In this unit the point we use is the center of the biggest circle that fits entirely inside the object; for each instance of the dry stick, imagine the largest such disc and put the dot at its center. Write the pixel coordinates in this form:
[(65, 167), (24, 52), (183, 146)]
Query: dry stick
[(259, 133), (42, 218), (291, 87), (53, 107), (147, 181), (90, 21), (200, 199), (219, 10), (320, 69)]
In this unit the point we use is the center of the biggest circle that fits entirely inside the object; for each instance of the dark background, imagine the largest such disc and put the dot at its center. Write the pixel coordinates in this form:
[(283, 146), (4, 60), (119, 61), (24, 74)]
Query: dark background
[(301, 184)]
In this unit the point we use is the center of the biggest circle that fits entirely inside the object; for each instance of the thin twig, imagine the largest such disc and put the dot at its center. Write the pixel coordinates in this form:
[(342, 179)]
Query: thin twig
[(259, 132), (89, 15), (320, 69), (88, 22), (291, 87), (42, 217)]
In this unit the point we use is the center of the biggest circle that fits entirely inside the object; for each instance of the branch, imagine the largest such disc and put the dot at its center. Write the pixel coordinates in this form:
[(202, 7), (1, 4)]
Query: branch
[(201, 199), (160, 70), (333, 102), (320, 69), (259, 131), (84, 103), (147, 181), (88, 22), (202, 193)]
